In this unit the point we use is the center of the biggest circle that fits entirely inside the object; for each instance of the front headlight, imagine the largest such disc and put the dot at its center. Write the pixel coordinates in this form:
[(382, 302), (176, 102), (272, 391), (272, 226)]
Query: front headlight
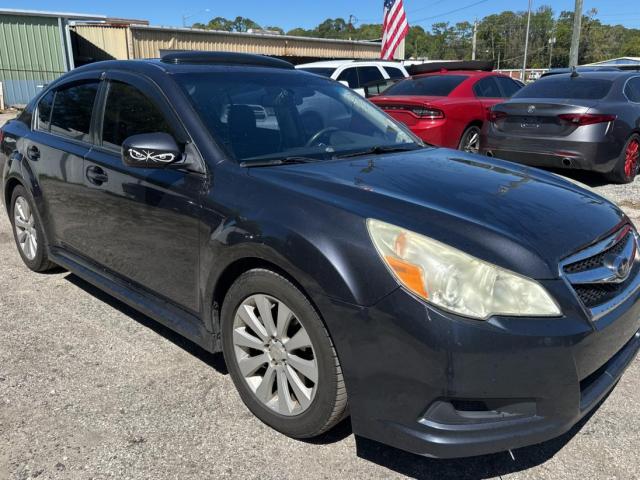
[(456, 281)]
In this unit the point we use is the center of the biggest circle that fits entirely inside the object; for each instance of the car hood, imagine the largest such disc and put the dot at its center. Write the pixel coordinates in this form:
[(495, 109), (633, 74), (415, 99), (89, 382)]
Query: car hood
[(515, 216)]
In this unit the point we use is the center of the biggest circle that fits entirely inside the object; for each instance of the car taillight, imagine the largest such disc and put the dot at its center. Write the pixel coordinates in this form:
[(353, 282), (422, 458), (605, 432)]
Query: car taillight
[(430, 113), (495, 116), (581, 119), (418, 111)]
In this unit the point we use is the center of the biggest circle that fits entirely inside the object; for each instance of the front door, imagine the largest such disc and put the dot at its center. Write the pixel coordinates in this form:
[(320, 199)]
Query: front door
[(143, 223)]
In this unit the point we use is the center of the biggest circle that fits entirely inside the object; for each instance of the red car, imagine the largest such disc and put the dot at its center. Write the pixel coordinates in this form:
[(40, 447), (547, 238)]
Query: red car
[(447, 108)]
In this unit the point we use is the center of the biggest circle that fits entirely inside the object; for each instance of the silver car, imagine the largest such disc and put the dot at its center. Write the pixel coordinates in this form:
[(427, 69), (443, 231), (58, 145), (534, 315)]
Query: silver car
[(586, 121)]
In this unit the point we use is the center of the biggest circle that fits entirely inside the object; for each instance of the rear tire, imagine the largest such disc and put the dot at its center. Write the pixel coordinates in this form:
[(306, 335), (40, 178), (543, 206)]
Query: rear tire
[(297, 390), (626, 167), (470, 141), (27, 231)]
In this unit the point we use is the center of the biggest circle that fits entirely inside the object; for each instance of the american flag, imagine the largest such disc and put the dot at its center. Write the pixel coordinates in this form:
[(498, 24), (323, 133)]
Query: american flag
[(394, 28)]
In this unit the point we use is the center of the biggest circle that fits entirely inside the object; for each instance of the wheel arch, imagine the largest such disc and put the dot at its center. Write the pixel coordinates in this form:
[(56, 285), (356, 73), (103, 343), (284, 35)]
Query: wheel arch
[(234, 270)]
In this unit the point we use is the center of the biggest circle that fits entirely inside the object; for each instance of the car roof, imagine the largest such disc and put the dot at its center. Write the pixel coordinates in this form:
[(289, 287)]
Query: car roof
[(604, 75), (340, 63), (151, 66), (468, 73)]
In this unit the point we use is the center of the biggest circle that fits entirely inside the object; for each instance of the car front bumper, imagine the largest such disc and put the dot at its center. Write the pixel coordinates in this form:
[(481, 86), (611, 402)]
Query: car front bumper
[(443, 386)]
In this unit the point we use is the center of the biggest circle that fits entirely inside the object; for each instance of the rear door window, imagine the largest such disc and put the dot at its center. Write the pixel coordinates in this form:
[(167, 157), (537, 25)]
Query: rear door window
[(72, 109), (487, 88), (565, 87), (432, 85), (350, 75), (394, 72), (368, 75), (129, 112)]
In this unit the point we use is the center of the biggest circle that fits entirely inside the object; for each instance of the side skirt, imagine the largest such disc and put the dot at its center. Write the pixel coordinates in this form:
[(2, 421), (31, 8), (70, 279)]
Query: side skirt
[(162, 311)]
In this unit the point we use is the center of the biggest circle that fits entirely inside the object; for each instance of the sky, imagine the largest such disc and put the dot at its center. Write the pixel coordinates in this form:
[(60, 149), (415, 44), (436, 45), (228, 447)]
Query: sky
[(289, 14)]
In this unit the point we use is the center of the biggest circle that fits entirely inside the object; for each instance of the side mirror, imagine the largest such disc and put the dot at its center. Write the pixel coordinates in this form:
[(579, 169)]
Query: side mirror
[(151, 150)]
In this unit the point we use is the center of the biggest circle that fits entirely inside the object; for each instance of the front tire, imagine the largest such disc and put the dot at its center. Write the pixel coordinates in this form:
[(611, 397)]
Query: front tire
[(470, 141), (626, 167), (280, 356), (27, 231)]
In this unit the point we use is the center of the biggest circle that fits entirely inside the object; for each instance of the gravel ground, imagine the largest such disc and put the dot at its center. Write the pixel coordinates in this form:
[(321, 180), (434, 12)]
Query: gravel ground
[(90, 389)]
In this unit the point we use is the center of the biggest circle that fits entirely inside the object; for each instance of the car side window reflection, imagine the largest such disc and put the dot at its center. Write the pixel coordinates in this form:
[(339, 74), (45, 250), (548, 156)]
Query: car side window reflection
[(129, 112)]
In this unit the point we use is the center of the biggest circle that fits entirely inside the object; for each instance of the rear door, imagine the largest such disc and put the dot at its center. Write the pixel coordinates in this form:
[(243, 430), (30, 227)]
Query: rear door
[(143, 224), (55, 151)]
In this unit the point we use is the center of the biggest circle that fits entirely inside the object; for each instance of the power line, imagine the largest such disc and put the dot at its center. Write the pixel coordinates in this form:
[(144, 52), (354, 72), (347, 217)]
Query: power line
[(421, 20)]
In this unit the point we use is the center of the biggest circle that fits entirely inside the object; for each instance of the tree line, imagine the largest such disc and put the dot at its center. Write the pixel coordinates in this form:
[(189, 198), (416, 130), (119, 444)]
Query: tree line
[(500, 37)]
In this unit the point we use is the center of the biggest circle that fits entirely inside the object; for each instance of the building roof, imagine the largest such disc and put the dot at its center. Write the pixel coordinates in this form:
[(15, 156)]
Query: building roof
[(41, 13)]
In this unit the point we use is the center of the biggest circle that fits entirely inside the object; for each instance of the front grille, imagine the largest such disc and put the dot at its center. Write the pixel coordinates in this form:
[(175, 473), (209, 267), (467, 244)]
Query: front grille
[(597, 260), (595, 279), (594, 295)]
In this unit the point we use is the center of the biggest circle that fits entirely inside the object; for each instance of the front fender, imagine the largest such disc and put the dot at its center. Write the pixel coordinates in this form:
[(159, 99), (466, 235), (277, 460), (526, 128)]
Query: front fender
[(318, 262)]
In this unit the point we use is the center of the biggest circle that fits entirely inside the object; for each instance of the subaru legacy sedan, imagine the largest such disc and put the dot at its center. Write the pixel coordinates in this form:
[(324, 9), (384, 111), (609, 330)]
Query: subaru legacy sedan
[(451, 304)]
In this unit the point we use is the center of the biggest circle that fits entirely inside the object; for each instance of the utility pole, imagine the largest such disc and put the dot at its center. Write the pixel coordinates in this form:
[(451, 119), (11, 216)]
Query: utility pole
[(526, 45), (575, 38), (474, 42), (352, 20)]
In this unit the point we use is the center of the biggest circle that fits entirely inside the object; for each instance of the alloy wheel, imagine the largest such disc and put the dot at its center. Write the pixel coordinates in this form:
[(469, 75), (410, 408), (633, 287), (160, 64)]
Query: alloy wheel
[(471, 142), (275, 355), (631, 158), (24, 223)]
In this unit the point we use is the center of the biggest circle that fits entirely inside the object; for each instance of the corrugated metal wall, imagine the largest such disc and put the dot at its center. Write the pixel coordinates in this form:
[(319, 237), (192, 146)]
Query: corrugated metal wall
[(104, 42), (31, 55), (100, 42)]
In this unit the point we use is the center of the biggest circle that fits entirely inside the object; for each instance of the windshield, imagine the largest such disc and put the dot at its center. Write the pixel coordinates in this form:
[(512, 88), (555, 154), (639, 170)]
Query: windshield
[(259, 115), (431, 86), (579, 88), (325, 72)]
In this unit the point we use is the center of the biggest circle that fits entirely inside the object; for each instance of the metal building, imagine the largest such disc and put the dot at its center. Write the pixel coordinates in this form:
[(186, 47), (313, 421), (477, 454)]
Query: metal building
[(100, 42), (35, 48)]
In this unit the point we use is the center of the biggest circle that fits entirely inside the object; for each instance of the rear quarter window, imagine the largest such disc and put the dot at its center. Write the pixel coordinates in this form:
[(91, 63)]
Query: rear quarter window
[(45, 105), (579, 88), (433, 85)]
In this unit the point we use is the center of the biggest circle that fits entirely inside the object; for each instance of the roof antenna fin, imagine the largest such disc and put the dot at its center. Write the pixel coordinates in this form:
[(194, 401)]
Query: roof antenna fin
[(574, 72)]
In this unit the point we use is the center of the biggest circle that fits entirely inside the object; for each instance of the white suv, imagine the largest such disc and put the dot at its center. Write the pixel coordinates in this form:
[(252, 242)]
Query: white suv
[(356, 73)]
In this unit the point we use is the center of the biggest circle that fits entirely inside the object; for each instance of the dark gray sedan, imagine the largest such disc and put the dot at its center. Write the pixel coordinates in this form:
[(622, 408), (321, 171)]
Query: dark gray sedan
[(586, 121)]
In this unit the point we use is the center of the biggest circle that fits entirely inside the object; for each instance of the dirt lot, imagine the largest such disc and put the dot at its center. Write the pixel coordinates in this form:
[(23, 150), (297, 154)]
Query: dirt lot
[(90, 389)]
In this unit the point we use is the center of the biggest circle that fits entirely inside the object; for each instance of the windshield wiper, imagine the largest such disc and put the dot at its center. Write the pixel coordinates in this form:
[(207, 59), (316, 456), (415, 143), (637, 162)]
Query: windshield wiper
[(277, 161), (379, 150)]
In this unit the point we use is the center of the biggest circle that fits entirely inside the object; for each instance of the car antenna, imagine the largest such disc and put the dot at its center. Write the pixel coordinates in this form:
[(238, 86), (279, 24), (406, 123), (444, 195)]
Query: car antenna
[(574, 72)]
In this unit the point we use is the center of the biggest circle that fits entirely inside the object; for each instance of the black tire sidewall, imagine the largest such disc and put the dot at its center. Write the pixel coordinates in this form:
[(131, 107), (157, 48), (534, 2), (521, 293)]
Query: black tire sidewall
[(313, 420), (40, 260)]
